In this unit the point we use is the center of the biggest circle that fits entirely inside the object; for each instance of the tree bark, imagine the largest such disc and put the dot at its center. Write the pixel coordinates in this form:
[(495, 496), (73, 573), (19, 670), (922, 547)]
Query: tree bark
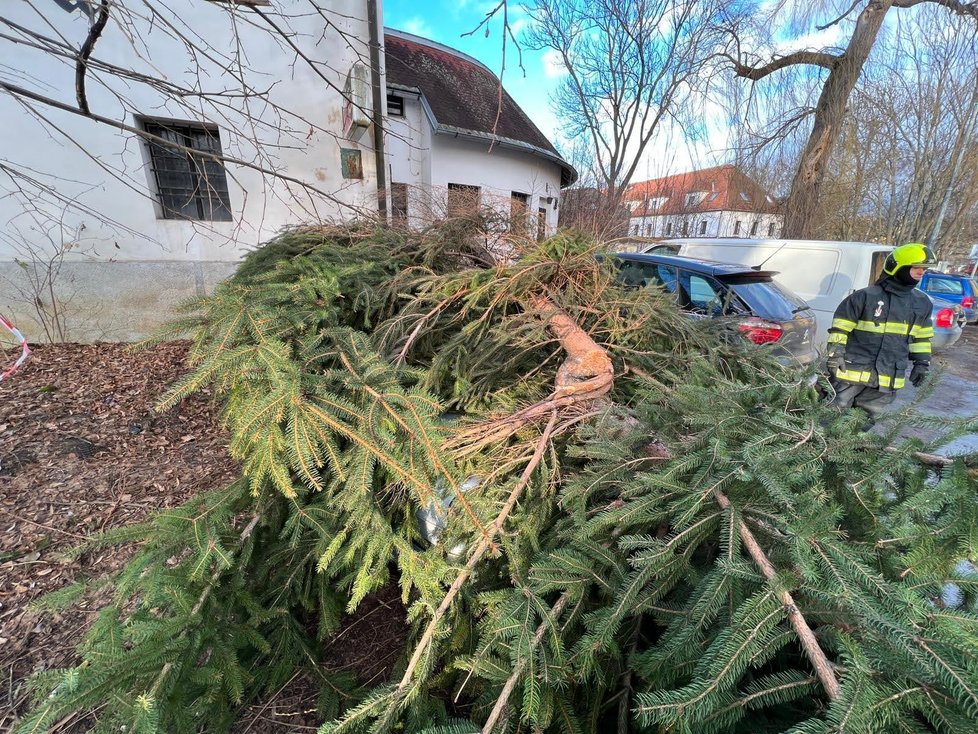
[(801, 206)]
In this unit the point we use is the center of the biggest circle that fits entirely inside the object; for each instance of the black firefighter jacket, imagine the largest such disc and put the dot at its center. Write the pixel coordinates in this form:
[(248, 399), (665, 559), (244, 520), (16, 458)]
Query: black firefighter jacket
[(882, 328)]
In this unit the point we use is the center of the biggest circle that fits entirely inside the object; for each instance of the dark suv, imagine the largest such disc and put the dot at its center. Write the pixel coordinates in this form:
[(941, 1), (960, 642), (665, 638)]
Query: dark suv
[(760, 309)]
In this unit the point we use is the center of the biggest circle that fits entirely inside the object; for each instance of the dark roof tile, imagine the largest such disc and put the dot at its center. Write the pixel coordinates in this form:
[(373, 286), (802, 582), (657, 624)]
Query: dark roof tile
[(461, 92)]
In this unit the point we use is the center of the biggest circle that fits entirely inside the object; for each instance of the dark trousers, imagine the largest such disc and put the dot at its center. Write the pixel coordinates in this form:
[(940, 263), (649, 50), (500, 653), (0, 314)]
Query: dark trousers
[(870, 399)]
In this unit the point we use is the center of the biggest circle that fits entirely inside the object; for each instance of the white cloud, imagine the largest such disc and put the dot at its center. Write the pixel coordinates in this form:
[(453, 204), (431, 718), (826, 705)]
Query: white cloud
[(418, 26), (553, 67), (827, 38)]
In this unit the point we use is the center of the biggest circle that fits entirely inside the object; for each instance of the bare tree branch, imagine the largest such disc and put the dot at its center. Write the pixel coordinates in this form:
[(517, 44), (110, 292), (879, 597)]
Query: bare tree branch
[(86, 50), (815, 58), (855, 4), (952, 5), (25, 93)]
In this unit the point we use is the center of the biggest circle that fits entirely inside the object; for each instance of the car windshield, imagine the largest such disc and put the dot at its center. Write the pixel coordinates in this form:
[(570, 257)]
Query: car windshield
[(769, 300)]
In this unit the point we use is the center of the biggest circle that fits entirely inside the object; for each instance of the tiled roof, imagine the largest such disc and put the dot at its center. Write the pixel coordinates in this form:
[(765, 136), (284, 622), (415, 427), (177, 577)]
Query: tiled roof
[(723, 188), (462, 94)]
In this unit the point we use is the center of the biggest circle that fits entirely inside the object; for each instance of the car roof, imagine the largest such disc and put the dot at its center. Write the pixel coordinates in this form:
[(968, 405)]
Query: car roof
[(714, 268)]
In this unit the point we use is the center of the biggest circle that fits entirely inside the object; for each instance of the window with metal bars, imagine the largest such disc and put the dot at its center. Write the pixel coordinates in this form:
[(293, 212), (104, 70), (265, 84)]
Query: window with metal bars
[(189, 186)]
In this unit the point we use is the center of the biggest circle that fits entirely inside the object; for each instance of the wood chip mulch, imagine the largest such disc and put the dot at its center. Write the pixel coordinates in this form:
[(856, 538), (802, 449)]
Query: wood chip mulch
[(82, 451)]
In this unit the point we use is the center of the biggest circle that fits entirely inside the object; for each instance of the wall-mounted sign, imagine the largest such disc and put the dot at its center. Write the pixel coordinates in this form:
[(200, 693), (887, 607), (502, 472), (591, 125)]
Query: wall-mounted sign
[(351, 163)]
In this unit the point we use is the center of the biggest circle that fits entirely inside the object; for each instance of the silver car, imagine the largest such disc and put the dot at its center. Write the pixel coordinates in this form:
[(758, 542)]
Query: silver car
[(949, 320)]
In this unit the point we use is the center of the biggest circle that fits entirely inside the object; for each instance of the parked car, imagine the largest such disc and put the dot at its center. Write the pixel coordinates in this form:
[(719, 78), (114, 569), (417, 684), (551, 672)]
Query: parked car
[(960, 289), (750, 300), (822, 272), (949, 321)]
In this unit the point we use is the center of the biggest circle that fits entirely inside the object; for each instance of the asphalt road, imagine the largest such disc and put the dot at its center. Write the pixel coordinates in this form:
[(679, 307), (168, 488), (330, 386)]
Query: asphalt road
[(956, 393)]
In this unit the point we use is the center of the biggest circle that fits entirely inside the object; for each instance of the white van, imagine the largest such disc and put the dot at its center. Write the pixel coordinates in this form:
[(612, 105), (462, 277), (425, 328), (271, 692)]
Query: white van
[(820, 271)]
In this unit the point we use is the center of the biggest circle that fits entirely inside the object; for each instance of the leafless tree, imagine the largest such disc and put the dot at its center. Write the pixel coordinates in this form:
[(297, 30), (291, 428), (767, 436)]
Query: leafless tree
[(839, 72), (585, 207), (905, 165), (632, 67)]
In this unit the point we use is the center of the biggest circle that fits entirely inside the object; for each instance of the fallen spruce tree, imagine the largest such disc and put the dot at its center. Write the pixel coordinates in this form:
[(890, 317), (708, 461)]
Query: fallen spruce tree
[(601, 516)]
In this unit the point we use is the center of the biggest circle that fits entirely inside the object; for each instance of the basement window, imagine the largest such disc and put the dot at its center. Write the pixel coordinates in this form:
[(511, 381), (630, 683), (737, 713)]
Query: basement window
[(188, 186)]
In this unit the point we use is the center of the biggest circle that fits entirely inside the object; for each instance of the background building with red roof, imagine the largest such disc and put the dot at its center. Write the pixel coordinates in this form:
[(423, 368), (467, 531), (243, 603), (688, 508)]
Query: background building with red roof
[(713, 202)]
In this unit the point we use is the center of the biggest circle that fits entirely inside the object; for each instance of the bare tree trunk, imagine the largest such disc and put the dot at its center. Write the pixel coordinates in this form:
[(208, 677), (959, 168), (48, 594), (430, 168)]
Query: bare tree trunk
[(801, 207)]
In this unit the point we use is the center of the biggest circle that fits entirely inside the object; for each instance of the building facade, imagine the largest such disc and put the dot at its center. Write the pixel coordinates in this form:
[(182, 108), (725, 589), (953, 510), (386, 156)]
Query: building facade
[(455, 145), (202, 140), (712, 202)]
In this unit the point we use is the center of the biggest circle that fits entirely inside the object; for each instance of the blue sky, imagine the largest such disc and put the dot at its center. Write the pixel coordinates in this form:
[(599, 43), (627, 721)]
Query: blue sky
[(445, 22)]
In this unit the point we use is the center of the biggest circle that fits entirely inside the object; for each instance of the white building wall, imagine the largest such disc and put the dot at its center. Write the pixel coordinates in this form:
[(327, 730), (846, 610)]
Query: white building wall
[(124, 266), (498, 172), (428, 162), (407, 145)]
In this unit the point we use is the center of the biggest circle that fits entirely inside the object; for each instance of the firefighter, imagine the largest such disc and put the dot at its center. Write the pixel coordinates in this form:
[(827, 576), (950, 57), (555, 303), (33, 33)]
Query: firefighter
[(877, 331)]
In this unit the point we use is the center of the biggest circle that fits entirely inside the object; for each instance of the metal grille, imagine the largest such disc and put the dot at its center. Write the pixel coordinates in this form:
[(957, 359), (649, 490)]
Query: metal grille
[(189, 186), (395, 105)]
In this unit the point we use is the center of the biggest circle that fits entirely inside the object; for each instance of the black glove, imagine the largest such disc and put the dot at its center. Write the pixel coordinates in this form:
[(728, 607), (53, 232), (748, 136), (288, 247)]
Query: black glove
[(919, 373), (836, 362)]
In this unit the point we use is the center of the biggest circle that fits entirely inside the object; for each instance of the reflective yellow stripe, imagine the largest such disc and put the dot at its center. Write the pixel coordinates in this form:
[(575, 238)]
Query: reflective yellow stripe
[(844, 324), (887, 327), (920, 348), (837, 338), (853, 376), (886, 381), (870, 326), (862, 377), (922, 332)]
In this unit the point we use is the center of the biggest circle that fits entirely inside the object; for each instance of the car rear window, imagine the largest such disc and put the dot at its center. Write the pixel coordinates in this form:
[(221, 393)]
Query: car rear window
[(769, 300)]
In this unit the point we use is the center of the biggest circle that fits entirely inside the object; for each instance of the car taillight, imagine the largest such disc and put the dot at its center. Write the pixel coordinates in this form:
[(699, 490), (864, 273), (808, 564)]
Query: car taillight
[(968, 302), (760, 331), (945, 318)]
